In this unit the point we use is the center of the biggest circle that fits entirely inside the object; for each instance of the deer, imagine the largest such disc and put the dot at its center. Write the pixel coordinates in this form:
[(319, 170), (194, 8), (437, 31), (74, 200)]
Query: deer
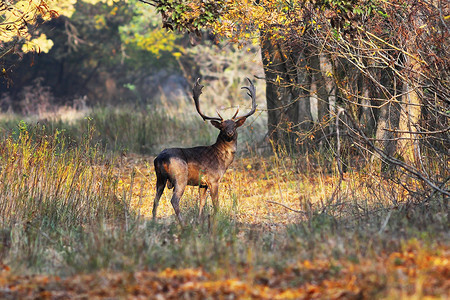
[(202, 166)]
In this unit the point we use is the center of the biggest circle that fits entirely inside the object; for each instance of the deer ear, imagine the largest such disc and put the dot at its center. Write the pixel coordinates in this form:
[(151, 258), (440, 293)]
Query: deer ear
[(240, 122), (217, 124)]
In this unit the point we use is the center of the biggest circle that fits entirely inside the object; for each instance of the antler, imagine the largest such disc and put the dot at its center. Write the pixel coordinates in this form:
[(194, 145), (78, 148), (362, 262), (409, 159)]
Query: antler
[(196, 91), (252, 93)]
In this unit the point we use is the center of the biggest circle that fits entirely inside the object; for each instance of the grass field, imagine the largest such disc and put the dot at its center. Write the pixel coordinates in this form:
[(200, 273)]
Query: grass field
[(75, 222)]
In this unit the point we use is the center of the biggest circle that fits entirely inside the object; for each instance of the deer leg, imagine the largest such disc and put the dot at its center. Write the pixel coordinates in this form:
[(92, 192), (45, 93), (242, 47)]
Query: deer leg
[(202, 194), (215, 196), (177, 193), (160, 185)]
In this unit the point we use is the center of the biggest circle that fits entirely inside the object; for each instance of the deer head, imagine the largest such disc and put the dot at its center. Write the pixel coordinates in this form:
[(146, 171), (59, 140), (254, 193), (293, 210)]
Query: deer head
[(227, 127)]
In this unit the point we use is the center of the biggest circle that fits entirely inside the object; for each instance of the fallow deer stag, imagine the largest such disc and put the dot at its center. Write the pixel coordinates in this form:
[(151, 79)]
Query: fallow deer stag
[(201, 166)]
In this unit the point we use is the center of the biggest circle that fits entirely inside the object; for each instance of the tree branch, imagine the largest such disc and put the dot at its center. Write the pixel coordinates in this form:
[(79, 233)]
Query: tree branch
[(153, 3), (395, 161)]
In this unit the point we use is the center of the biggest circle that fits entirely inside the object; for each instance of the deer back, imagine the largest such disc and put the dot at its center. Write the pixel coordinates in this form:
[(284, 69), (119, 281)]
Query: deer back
[(198, 166)]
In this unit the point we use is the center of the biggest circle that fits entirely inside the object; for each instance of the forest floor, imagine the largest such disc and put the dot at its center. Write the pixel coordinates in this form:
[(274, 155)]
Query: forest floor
[(422, 274)]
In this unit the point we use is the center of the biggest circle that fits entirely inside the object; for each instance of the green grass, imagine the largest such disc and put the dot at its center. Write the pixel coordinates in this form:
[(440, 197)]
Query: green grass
[(126, 129)]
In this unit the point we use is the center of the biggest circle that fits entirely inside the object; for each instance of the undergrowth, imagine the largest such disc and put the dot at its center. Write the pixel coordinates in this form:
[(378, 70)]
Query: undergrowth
[(67, 206)]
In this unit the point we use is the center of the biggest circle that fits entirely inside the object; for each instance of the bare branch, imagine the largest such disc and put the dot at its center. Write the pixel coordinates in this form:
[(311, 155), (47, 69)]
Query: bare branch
[(152, 3), (395, 161), (287, 207)]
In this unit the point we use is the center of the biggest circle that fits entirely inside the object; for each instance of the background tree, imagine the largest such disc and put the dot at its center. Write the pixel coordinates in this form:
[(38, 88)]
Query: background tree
[(99, 50), (19, 22)]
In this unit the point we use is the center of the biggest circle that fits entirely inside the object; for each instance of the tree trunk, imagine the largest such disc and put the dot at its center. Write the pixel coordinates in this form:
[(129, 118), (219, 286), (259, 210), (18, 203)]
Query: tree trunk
[(305, 119), (326, 69), (281, 93), (367, 112), (387, 123), (322, 97), (408, 147)]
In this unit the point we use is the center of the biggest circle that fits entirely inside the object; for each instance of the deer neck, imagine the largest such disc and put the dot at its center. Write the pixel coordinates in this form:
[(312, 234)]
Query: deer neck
[(226, 148)]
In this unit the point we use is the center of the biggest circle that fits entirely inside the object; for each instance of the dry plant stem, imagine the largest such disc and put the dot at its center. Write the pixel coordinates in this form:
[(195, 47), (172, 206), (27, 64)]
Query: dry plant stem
[(339, 162), (287, 207), (338, 156), (338, 150)]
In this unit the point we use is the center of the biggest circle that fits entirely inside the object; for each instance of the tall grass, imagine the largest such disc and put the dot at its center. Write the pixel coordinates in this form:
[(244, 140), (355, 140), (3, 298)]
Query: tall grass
[(50, 187), (147, 130), (144, 129)]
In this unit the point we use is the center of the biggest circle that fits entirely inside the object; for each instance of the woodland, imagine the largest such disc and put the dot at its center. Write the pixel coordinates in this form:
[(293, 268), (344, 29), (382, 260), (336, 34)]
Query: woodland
[(341, 180)]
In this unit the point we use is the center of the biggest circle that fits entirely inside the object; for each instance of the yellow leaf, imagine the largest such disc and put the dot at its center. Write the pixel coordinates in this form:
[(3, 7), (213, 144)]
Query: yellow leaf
[(41, 44)]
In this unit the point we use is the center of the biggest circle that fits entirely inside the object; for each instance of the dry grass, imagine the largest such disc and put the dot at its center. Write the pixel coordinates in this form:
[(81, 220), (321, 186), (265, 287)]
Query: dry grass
[(68, 207), (266, 191)]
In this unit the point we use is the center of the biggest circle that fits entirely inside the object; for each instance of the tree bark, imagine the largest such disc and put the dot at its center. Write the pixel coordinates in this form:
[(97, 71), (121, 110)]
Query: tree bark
[(387, 123), (282, 96)]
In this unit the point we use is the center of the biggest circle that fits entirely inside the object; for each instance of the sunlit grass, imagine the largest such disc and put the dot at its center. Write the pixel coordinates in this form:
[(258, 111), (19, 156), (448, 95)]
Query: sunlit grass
[(273, 190)]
